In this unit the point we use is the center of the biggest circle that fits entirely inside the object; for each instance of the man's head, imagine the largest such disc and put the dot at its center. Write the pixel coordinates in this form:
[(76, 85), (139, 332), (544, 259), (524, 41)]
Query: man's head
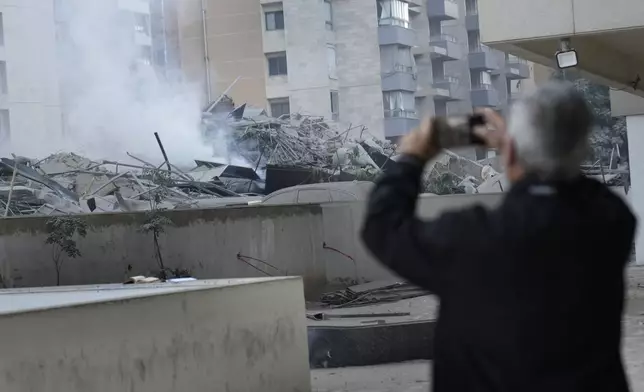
[(548, 133)]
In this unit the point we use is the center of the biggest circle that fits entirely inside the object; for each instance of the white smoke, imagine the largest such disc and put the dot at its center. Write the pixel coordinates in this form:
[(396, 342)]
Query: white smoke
[(113, 102)]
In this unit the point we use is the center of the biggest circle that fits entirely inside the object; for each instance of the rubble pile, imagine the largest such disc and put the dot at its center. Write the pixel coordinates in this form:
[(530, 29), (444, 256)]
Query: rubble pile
[(67, 183), (287, 151)]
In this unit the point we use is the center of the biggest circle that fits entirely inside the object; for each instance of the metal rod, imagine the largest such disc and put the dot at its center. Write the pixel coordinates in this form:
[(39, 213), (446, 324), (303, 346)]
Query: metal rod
[(13, 180), (205, 49), (165, 156), (109, 182)]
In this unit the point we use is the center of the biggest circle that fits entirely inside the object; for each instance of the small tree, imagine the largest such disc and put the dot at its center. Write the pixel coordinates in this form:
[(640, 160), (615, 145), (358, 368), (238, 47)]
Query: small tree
[(155, 223), (62, 231)]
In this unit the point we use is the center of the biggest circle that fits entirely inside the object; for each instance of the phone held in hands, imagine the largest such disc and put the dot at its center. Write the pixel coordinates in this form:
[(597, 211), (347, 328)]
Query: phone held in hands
[(458, 131)]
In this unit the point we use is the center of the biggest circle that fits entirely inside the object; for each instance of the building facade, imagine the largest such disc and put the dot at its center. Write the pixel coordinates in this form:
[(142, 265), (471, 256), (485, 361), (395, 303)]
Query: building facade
[(378, 63), (29, 92)]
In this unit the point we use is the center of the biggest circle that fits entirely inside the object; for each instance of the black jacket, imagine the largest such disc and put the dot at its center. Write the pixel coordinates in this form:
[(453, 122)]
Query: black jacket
[(531, 293)]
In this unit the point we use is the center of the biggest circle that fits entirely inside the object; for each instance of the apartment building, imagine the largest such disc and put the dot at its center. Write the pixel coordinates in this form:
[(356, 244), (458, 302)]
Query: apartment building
[(29, 90), (465, 73), (378, 63)]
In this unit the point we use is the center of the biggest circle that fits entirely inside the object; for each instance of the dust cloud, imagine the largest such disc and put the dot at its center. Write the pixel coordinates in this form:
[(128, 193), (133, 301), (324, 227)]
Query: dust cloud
[(112, 99)]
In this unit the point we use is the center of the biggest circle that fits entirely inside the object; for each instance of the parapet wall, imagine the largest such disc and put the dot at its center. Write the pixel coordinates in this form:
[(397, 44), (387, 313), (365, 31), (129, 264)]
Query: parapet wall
[(318, 242), (205, 242)]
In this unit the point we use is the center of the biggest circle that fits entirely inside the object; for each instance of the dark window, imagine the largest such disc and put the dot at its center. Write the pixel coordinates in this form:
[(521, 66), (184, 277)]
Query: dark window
[(3, 78), (275, 20), (1, 30), (277, 65), (280, 107), (5, 127), (335, 105), (142, 23), (328, 11)]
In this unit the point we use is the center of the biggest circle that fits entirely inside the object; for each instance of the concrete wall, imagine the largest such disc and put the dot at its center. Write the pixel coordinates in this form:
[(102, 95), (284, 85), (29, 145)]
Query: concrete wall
[(206, 242), (319, 242), (239, 337), (635, 131), (234, 36), (342, 223), (358, 54), (608, 45), (33, 97)]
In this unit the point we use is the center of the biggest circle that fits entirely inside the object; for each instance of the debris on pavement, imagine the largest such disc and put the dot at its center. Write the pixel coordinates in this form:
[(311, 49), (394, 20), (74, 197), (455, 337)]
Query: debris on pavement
[(371, 293)]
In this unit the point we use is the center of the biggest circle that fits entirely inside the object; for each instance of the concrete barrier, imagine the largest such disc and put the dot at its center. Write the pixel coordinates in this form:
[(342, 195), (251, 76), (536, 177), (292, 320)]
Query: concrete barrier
[(239, 335), (348, 261), (321, 243), (206, 242)]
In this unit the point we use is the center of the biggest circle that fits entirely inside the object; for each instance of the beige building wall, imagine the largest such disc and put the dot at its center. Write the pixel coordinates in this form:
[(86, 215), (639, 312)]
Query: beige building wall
[(234, 37)]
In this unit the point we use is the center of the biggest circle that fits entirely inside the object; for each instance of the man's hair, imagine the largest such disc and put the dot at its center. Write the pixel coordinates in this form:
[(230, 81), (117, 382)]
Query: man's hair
[(550, 130)]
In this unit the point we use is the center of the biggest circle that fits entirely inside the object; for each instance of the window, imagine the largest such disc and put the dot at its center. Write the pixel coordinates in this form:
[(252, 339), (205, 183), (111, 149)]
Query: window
[(5, 128), (277, 64), (328, 12), (440, 108), (3, 78), (393, 12), (471, 7), (159, 58), (1, 30), (481, 80), (399, 104), (474, 41), (145, 54), (280, 107), (335, 105), (274, 20), (332, 60), (142, 23)]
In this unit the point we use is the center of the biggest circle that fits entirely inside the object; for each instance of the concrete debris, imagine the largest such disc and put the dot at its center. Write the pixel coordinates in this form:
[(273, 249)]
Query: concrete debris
[(282, 152), (67, 183)]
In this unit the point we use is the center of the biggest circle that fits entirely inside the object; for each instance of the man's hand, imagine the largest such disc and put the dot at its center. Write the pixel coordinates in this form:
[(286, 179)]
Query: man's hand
[(421, 142)]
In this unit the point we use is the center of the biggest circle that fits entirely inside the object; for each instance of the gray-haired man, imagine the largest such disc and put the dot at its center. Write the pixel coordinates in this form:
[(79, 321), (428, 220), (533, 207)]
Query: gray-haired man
[(532, 292)]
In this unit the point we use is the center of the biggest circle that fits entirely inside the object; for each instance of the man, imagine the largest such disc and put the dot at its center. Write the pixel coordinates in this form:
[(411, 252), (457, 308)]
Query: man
[(531, 292)]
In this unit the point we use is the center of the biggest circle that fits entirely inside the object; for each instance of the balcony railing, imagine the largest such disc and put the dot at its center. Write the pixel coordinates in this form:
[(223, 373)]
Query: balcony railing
[(516, 60), (405, 68), (482, 86), (480, 49), (393, 21), (442, 38), (400, 113), (447, 79)]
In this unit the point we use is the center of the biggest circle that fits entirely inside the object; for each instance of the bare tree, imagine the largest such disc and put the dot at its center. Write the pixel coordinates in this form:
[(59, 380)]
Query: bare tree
[(155, 222), (62, 231)]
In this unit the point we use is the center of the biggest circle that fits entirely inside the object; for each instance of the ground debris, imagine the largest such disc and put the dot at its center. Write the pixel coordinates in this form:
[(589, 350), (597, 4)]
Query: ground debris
[(371, 293)]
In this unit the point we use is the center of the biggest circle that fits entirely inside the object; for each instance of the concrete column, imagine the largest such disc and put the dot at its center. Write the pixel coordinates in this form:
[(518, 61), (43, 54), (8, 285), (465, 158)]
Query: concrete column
[(635, 130)]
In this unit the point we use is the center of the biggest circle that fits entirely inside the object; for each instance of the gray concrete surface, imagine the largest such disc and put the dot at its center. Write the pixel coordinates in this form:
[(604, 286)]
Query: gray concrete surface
[(199, 336)]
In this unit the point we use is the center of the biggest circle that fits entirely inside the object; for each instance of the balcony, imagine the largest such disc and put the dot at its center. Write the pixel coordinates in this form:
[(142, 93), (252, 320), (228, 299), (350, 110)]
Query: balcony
[(472, 21), (483, 59), (402, 78), (517, 68), (484, 95), (444, 47), (440, 10), (399, 122), (396, 35), (446, 89)]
